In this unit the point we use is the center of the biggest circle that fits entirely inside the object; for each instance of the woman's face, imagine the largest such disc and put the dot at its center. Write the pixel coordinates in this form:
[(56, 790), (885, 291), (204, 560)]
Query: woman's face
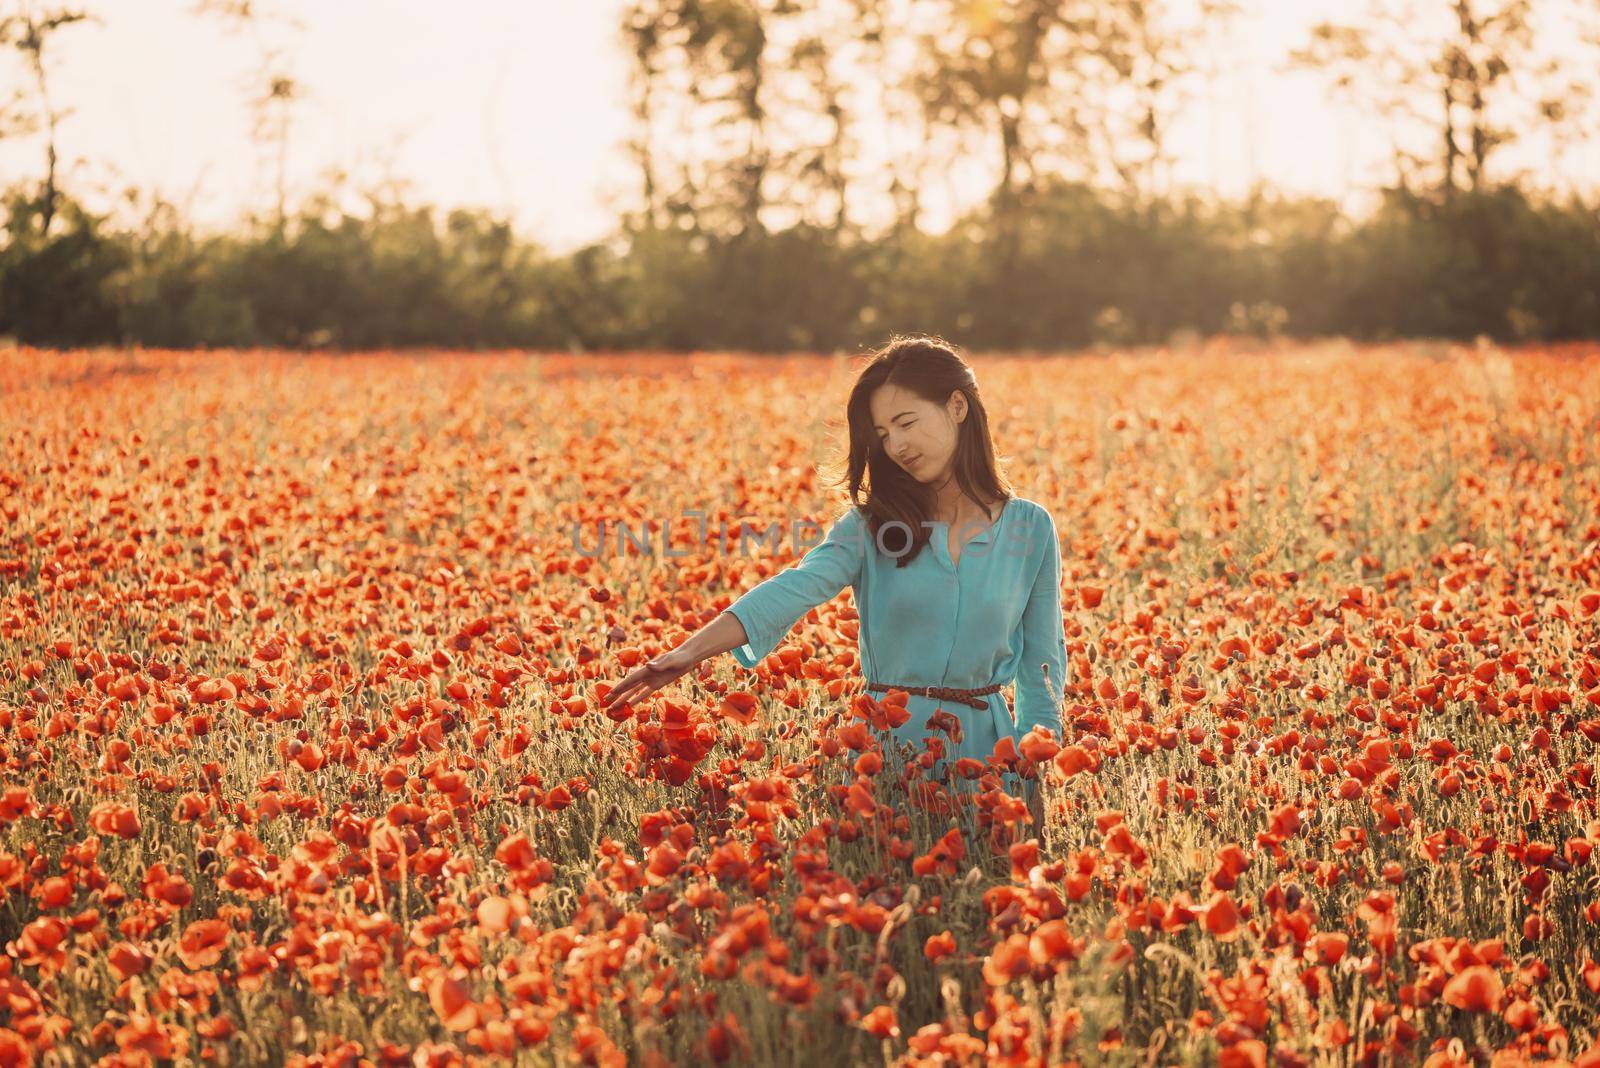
[(918, 435)]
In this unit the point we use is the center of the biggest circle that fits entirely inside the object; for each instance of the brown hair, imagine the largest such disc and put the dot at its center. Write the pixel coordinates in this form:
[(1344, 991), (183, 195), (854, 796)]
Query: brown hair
[(932, 369)]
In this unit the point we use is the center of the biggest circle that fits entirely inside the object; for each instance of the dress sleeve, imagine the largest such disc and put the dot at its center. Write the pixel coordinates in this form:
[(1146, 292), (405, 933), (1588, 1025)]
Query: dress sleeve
[(1044, 642), (768, 609)]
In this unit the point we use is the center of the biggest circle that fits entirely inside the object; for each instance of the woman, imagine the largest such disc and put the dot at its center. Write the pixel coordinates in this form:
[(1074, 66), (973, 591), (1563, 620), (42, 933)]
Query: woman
[(956, 580)]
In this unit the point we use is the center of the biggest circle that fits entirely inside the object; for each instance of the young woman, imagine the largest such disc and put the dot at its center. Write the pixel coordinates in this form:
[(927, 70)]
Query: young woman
[(956, 580)]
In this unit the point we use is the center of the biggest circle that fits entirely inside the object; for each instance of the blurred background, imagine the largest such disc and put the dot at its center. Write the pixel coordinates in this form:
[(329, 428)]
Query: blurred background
[(768, 175)]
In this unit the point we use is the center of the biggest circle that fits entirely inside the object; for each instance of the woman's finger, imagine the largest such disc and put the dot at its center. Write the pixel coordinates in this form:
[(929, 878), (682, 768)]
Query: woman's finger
[(620, 693), (645, 680), (628, 689)]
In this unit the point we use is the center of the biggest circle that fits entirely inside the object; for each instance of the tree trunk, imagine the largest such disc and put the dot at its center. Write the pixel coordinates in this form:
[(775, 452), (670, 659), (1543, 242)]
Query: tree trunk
[(1452, 151)]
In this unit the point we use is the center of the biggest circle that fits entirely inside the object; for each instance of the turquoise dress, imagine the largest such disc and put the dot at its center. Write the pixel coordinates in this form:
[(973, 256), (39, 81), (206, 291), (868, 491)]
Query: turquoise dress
[(992, 617)]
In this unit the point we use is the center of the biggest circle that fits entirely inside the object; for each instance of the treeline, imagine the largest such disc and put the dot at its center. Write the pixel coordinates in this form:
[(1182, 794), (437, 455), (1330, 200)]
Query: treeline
[(1083, 268), (785, 153)]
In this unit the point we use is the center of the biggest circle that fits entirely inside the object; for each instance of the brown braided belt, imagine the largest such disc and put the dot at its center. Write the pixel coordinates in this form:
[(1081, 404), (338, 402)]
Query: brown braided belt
[(974, 698)]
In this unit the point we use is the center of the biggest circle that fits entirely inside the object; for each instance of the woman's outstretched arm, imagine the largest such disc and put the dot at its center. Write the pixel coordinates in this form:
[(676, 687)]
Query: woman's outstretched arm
[(718, 636), (753, 625), (768, 610)]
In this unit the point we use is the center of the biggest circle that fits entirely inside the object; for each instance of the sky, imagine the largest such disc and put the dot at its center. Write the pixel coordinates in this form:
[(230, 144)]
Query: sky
[(519, 106)]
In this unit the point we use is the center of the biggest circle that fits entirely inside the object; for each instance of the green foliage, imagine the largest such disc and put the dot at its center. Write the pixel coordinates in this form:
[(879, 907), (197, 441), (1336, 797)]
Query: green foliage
[(1067, 266), (55, 287)]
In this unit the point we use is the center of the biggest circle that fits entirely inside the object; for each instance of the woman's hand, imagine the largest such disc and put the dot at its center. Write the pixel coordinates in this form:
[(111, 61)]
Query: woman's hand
[(650, 676)]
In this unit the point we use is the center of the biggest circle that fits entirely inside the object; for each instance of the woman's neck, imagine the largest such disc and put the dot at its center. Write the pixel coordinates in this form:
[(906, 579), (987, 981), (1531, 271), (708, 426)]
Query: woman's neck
[(950, 505)]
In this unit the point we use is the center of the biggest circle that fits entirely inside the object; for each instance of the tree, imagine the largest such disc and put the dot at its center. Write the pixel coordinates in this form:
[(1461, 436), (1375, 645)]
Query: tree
[(875, 25), (29, 32), (700, 77), (725, 45), (985, 67), (1143, 58), (823, 164), (1469, 71), (642, 36), (272, 89)]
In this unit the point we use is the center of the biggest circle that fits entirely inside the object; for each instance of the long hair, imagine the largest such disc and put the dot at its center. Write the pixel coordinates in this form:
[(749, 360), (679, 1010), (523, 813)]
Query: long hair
[(932, 369)]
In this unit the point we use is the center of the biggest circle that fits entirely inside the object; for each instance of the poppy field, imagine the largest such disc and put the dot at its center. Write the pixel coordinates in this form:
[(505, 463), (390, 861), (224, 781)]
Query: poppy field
[(303, 761)]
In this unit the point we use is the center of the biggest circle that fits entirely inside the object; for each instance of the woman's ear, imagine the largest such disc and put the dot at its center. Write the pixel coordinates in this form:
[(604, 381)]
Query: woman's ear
[(958, 405)]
